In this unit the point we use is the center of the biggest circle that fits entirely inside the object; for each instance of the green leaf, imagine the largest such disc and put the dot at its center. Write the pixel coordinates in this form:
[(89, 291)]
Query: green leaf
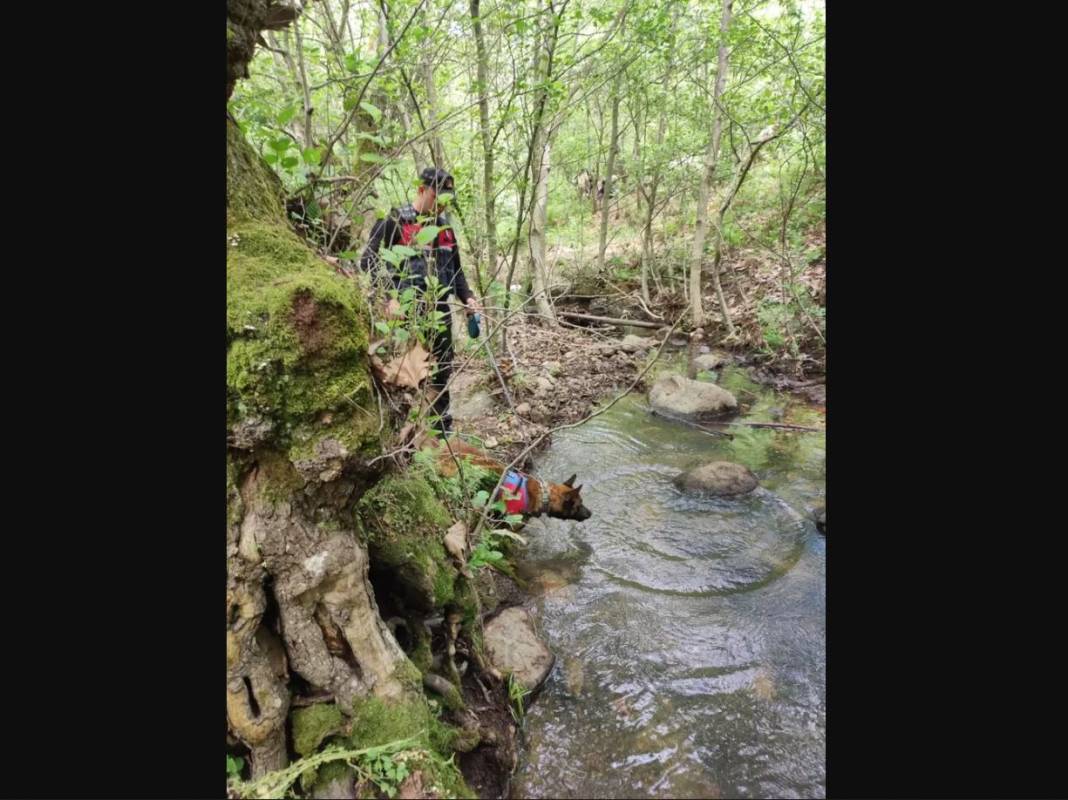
[(371, 158), (352, 62), (349, 254), (270, 158), (401, 335), (290, 161), (480, 499), (382, 327), (349, 102), (404, 250), (391, 257), (427, 234), (280, 144), (372, 110), (312, 155), (286, 115)]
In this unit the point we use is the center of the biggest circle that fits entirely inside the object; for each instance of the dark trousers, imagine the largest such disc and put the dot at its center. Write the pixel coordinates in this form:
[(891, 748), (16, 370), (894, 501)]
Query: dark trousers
[(443, 355)]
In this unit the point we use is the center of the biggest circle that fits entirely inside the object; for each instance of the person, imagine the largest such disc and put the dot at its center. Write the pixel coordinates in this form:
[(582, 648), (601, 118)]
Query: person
[(441, 257)]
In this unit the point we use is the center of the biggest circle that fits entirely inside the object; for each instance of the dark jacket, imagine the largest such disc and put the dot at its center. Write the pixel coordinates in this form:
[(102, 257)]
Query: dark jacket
[(400, 227)]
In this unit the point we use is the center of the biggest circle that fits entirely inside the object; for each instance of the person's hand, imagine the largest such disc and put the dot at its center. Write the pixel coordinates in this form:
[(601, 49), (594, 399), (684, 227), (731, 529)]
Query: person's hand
[(472, 306)]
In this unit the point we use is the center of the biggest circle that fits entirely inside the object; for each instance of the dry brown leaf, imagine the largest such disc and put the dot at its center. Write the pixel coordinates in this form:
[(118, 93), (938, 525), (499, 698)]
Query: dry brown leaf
[(456, 541), (408, 369)]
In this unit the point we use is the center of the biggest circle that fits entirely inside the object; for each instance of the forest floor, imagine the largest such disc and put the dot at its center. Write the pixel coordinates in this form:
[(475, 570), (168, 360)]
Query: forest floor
[(560, 375)]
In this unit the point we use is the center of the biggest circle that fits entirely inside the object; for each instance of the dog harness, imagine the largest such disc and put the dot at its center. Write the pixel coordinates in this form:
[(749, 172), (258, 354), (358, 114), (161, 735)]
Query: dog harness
[(515, 483)]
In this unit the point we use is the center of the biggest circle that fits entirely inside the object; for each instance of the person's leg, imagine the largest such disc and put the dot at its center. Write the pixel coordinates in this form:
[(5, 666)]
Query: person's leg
[(443, 354)]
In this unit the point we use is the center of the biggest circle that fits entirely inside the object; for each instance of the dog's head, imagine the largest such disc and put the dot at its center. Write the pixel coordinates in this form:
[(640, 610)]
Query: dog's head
[(565, 501)]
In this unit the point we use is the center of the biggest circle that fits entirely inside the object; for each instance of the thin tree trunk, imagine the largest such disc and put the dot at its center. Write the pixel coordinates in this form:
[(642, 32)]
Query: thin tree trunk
[(309, 140), (539, 114), (647, 234), (437, 150), (613, 147), (538, 225), (711, 157), (488, 190)]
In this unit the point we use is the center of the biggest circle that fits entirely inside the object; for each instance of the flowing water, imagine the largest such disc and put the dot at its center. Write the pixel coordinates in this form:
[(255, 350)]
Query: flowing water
[(689, 631)]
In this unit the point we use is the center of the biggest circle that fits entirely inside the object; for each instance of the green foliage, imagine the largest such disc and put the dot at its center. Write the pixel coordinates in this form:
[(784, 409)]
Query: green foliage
[(516, 694), (234, 766)]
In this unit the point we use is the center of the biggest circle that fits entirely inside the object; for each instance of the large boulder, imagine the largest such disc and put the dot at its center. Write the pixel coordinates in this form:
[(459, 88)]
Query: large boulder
[(676, 396), (718, 478), (513, 645)]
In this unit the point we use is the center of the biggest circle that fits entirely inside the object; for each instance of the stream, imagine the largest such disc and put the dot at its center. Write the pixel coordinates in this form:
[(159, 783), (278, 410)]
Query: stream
[(689, 631)]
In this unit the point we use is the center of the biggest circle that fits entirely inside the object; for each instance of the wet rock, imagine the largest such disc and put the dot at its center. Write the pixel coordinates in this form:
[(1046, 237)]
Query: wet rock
[(820, 516), (513, 645), (677, 396), (711, 361), (718, 478), (574, 675)]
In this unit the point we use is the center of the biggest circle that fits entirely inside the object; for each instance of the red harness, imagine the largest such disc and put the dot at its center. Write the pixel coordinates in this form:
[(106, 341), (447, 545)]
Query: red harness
[(515, 492)]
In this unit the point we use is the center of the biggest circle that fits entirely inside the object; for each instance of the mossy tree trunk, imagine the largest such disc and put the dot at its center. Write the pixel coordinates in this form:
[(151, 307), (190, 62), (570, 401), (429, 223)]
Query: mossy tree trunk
[(301, 427)]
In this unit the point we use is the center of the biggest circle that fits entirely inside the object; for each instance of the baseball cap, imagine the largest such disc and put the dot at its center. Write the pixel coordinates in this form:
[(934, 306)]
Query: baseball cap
[(437, 179)]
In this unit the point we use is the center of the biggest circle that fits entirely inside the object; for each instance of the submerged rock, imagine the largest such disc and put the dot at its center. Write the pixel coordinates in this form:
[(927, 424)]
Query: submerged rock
[(677, 396), (718, 478), (710, 362), (513, 645)]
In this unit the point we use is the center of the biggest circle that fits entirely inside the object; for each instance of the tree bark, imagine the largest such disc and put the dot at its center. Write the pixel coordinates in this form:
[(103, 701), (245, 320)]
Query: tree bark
[(613, 149), (711, 158), (538, 225), (488, 189)]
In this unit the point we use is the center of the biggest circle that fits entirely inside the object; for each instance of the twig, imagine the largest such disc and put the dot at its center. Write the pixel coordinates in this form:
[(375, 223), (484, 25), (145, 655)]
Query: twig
[(776, 425), (638, 323), (692, 424)]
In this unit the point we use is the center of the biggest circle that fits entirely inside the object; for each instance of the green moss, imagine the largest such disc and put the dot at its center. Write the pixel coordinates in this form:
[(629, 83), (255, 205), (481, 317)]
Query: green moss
[(253, 191), (466, 600), (313, 724), (376, 722), (421, 655), (356, 432), (404, 524), (235, 506), (297, 332), (409, 676), (332, 771)]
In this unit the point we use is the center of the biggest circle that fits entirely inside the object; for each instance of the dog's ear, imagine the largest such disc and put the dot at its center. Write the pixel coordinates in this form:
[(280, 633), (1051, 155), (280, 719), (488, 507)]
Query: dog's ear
[(577, 489), (571, 481)]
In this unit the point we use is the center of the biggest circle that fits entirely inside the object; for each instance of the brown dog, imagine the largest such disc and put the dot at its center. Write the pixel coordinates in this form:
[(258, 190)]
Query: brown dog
[(531, 496)]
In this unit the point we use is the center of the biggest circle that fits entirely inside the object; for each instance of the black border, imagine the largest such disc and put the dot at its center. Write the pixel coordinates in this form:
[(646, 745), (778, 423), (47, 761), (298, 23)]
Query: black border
[(943, 600)]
